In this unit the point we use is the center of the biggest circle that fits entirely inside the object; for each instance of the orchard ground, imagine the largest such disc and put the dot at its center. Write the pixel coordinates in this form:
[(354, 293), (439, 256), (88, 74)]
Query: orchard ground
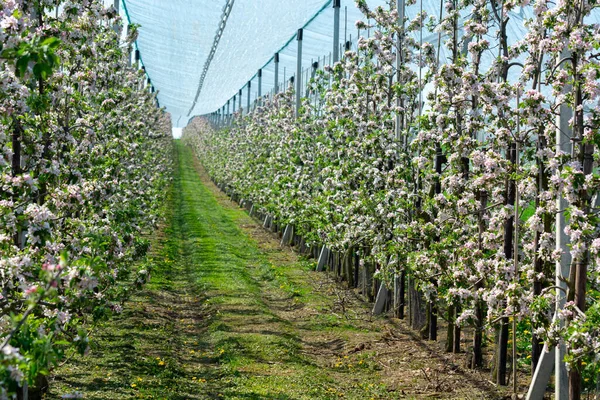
[(230, 314)]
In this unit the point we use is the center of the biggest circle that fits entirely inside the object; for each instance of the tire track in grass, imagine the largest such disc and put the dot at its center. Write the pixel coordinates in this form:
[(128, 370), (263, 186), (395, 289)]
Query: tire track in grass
[(258, 352)]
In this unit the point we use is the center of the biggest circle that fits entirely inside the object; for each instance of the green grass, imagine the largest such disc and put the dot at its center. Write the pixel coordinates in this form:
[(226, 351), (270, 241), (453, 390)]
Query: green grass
[(209, 324)]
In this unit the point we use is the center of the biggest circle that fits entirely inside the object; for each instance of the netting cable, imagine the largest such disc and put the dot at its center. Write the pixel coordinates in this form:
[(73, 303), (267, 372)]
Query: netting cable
[(226, 12)]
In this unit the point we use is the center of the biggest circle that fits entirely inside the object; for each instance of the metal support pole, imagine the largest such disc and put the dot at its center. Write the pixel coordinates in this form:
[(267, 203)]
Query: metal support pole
[(116, 6), (563, 267), (136, 57), (555, 358), (228, 114), (299, 72), (144, 82), (336, 30), (259, 87), (234, 98), (315, 68), (240, 93), (248, 102), (276, 73), (400, 6)]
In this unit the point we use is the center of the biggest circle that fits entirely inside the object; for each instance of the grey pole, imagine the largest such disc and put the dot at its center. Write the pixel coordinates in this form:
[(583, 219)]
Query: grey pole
[(129, 48), (116, 6), (299, 72), (136, 57), (144, 82), (400, 5), (234, 97), (563, 267), (248, 102), (315, 67), (259, 86), (553, 358), (228, 114), (276, 73), (336, 30), (240, 93)]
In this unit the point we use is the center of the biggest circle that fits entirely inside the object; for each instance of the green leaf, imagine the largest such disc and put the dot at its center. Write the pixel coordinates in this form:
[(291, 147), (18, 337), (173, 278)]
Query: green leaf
[(42, 71), (21, 66), (51, 42)]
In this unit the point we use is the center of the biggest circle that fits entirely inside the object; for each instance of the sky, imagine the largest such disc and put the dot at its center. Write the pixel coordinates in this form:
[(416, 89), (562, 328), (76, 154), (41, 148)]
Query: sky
[(177, 133)]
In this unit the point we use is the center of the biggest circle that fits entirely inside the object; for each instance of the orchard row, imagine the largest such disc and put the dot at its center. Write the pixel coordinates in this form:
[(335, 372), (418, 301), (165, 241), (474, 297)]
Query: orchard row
[(84, 162), (452, 174)]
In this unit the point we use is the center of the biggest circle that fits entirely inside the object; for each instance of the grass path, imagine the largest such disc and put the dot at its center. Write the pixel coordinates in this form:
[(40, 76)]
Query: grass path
[(229, 314), (211, 324)]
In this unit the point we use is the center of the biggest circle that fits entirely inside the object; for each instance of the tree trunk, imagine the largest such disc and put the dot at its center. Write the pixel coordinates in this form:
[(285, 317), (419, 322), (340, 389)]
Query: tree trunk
[(16, 170), (402, 294), (502, 353), (585, 156), (457, 312), (432, 334), (477, 357), (450, 334), (417, 313)]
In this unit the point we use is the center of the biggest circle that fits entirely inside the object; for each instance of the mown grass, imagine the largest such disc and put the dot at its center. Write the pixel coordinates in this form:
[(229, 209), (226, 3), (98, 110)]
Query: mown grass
[(204, 326)]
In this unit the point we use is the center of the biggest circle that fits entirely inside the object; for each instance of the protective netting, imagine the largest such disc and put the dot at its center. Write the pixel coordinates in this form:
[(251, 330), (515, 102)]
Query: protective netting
[(176, 37)]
